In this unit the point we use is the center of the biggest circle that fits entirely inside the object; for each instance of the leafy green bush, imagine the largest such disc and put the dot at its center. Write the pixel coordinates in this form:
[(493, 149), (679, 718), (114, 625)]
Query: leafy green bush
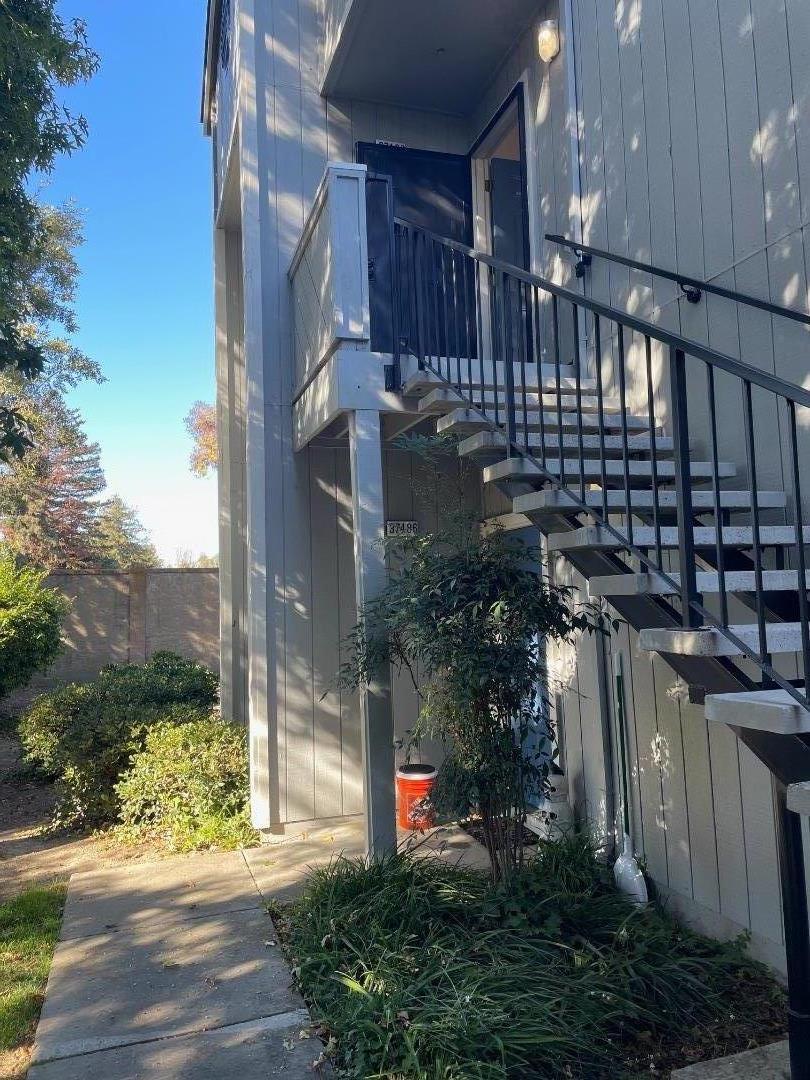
[(465, 609), (83, 735), (189, 786), (419, 968), (30, 624)]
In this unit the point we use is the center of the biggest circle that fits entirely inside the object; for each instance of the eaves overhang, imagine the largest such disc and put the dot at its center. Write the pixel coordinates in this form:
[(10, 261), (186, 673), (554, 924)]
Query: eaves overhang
[(437, 55)]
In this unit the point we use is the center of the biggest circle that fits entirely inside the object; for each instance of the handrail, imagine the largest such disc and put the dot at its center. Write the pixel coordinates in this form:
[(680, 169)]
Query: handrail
[(731, 364), (442, 293), (692, 287), (481, 326)]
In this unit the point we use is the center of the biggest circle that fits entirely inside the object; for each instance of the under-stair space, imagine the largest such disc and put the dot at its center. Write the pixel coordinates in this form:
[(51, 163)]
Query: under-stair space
[(638, 455)]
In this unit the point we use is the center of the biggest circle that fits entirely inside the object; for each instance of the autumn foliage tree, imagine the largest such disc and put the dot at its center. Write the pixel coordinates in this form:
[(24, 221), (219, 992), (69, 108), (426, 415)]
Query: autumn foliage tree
[(49, 498), (201, 424)]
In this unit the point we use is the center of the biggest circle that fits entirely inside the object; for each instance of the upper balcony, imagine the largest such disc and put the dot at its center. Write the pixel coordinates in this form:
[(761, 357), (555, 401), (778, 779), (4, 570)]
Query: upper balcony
[(334, 367), (421, 54)]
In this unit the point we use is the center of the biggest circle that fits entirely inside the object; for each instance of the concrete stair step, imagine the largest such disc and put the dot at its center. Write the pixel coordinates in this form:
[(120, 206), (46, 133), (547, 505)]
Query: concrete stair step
[(508, 522), (760, 710), (417, 383), (598, 538), (780, 637), (652, 584), (519, 468), (553, 502), (458, 408), (444, 400), (465, 422)]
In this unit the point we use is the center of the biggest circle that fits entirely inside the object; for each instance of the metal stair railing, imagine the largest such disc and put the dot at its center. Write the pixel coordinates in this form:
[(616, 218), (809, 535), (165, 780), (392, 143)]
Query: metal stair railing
[(483, 327), (692, 288)]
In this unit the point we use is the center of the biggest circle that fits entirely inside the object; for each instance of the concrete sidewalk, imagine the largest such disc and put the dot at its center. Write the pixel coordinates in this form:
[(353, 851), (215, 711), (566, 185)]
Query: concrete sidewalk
[(171, 969)]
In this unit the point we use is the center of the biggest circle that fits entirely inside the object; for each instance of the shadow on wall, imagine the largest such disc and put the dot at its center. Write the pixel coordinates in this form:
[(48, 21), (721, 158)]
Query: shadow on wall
[(118, 616)]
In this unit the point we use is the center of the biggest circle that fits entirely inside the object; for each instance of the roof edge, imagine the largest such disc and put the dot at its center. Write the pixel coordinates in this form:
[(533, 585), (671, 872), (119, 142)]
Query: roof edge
[(209, 80)]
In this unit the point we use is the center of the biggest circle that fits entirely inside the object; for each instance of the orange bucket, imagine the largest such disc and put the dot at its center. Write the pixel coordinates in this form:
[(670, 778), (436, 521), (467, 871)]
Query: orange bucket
[(414, 784)]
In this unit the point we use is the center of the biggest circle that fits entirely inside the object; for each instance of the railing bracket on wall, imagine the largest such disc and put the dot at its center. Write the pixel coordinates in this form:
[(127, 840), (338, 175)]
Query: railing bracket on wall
[(692, 294), (583, 263)]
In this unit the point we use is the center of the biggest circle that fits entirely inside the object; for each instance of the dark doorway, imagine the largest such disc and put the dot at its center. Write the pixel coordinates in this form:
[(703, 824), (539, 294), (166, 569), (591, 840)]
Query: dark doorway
[(500, 154), (430, 191)]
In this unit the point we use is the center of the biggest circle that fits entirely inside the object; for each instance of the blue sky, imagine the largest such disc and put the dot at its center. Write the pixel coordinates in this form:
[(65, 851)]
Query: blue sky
[(145, 304)]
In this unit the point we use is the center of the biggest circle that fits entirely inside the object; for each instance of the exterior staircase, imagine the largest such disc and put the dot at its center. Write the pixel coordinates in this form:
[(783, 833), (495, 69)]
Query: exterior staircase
[(592, 543), (612, 451)]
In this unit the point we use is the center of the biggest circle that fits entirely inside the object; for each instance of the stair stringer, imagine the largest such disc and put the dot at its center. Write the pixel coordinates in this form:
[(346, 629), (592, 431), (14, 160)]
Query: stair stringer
[(786, 756)]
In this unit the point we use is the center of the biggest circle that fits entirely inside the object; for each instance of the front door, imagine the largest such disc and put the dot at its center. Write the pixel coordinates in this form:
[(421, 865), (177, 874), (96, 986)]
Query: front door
[(499, 165), (431, 191)]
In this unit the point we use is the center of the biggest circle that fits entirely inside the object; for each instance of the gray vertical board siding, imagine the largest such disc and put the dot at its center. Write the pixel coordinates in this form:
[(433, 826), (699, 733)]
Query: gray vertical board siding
[(563, 672), (326, 734), (714, 180), (700, 804), (311, 288), (620, 647), (351, 750), (628, 18), (296, 131), (760, 848), (594, 765), (225, 415), (399, 506), (610, 90), (258, 434), (667, 688), (298, 623), (648, 763), (732, 868), (333, 13)]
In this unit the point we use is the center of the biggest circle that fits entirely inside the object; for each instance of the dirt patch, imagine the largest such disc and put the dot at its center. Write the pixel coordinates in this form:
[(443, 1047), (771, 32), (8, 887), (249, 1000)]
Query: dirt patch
[(27, 854)]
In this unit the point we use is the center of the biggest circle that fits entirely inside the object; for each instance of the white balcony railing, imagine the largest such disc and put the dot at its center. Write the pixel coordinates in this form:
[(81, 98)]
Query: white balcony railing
[(329, 273)]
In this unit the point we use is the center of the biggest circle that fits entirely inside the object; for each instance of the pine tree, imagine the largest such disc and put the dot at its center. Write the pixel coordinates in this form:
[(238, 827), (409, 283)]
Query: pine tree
[(39, 54), (120, 540), (49, 499)]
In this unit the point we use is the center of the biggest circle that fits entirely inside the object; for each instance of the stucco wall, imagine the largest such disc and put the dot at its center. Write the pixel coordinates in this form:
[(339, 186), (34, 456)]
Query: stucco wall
[(117, 617)]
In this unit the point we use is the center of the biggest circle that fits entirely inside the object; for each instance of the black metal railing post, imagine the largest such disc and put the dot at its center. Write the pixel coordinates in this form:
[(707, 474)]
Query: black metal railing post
[(797, 935), (506, 354), (683, 489)]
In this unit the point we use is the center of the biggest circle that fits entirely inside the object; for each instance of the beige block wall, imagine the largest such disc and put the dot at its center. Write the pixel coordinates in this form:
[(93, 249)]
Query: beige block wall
[(116, 617)]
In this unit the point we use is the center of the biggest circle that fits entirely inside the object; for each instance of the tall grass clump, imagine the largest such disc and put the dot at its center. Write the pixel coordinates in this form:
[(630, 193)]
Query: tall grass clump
[(421, 969)]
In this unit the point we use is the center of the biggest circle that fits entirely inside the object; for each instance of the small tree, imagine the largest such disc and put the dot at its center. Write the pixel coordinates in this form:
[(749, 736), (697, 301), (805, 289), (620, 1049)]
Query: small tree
[(201, 424), (466, 608), (30, 624)]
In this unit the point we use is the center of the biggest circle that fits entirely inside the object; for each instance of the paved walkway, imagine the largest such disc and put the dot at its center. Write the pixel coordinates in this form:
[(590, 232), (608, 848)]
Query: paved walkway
[(171, 969)]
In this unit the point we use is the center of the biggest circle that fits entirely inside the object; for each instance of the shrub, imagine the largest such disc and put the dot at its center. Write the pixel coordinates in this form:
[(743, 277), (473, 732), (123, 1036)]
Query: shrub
[(417, 967), (189, 786), (30, 624), (83, 735), (465, 609)]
